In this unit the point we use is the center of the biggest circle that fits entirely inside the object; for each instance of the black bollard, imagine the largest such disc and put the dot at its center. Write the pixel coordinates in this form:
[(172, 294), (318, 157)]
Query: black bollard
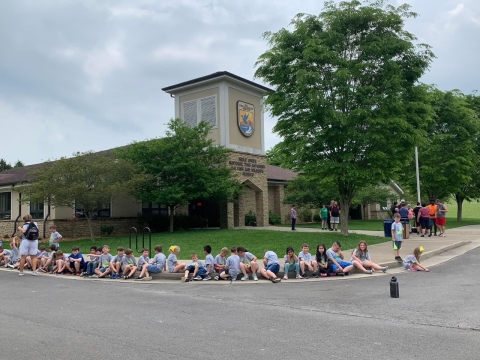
[(394, 288)]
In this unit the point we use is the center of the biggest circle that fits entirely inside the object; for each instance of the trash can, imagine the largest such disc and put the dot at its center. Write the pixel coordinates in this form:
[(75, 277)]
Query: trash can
[(406, 228), (387, 227)]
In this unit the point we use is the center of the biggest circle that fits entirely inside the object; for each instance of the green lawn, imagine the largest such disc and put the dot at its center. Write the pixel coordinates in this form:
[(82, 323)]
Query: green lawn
[(254, 240)]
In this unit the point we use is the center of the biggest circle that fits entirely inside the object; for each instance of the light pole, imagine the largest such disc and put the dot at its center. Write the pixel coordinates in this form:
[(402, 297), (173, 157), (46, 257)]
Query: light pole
[(418, 174)]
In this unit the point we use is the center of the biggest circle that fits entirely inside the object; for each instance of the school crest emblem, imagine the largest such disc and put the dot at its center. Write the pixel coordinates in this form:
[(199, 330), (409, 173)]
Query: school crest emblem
[(246, 118)]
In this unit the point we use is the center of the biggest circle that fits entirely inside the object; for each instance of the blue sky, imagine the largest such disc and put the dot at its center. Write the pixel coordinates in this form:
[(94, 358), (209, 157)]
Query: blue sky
[(87, 75)]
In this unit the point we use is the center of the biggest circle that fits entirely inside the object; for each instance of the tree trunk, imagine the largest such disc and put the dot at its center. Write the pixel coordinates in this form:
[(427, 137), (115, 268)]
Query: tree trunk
[(170, 208), (88, 216), (345, 208), (459, 199)]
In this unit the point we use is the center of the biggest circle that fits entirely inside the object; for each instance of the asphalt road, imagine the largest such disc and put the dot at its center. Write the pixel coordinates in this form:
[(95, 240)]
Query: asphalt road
[(436, 317)]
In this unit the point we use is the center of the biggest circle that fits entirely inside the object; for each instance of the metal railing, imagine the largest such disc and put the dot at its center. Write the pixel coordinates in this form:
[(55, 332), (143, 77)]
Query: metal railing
[(146, 230)]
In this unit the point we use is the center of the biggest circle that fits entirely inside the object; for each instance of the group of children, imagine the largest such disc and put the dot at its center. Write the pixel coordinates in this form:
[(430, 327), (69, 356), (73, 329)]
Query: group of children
[(241, 263)]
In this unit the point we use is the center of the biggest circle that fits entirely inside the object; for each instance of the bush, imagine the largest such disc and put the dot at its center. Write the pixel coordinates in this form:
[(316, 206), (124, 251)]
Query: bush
[(317, 218), (250, 219), (274, 219), (106, 229), (305, 215)]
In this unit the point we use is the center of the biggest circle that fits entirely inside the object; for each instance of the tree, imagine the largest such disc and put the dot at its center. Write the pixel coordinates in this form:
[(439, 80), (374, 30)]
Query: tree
[(18, 164), (182, 167), (86, 181), (4, 165), (347, 97), (373, 195), (306, 191), (277, 158), (450, 158)]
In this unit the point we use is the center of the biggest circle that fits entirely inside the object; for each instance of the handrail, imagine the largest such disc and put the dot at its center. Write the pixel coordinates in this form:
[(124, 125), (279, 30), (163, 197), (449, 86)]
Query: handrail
[(136, 236)]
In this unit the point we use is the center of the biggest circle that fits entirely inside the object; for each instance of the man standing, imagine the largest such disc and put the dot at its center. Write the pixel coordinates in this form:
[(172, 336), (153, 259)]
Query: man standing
[(432, 209), (441, 220), (293, 216), (334, 216), (417, 222), (29, 244)]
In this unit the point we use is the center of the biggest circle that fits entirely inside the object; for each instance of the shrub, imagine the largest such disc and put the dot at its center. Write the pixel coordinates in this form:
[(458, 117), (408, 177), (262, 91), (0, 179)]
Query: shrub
[(274, 219), (250, 219), (317, 218), (106, 229), (305, 215)]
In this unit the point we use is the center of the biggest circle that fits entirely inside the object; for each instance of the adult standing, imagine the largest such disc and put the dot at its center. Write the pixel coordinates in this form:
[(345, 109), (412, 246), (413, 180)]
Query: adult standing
[(29, 244), (441, 220), (293, 216), (335, 216), (329, 218), (432, 208), (417, 220)]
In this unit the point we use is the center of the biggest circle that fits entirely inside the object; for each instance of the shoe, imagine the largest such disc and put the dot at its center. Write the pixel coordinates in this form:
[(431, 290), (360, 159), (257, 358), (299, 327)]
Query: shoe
[(304, 276), (255, 278), (336, 229), (35, 273), (94, 276), (285, 277), (315, 275), (10, 266), (21, 273), (216, 278), (423, 235), (369, 272), (197, 278), (331, 229), (347, 273), (384, 269), (340, 274), (323, 275), (147, 278), (430, 235), (206, 278), (400, 259), (435, 234), (245, 277), (78, 274), (299, 277), (275, 280), (139, 278)]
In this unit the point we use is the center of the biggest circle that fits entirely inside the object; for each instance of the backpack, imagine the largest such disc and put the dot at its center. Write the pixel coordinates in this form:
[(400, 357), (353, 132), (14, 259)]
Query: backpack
[(32, 232)]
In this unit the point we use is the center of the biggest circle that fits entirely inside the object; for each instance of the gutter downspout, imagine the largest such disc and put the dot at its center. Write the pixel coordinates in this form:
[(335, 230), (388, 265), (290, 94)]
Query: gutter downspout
[(19, 214), (46, 218)]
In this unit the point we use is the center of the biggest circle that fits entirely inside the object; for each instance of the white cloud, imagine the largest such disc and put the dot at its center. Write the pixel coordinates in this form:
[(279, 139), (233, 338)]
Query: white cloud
[(457, 11)]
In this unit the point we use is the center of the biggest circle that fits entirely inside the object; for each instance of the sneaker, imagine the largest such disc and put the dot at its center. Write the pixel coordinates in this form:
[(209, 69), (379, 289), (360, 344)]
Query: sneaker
[(422, 235), (245, 277), (147, 278), (323, 275), (206, 278), (384, 269), (304, 276), (10, 266), (21, 273), (35, 273), (336, 229), (276, 280), (255, 278), (315, 275), (198, 278), (369, 272), (347, 273), (285, 277), (430, 235), (400, 259), (94, 276), (340, 274), (139, 278), (216, 278), (299, 277)]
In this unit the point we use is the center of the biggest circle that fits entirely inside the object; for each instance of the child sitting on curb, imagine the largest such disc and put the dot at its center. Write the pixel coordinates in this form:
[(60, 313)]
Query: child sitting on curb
[(324, 266), (412, 262), (291, 263), (129, 264), (196, 268), (272, 266), (172, 262), (232, 267), (221, 260), (361, 259)]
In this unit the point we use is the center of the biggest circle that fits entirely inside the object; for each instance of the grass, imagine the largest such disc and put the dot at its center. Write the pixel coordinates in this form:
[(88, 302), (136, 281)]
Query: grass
[(254, 240)]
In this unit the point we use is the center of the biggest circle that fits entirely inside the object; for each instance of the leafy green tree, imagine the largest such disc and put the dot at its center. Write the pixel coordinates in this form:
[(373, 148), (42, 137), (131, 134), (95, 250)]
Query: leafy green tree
[(449, 160), (18, 164), (86, 181), (276, 157), (308, 192), (347, 97), (182, 167), (379, 194)]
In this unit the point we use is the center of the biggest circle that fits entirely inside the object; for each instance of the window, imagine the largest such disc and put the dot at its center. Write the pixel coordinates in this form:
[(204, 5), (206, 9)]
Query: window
[(5, 205), (153, 209), (204, 109), (102, 212), (36, 210)]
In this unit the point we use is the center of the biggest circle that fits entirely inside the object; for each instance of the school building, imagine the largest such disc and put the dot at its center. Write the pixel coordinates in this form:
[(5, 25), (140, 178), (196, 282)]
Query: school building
[(234, 107)]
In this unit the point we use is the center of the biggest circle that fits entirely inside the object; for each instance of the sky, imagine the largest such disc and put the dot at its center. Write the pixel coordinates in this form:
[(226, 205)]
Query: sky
[(87, 75)]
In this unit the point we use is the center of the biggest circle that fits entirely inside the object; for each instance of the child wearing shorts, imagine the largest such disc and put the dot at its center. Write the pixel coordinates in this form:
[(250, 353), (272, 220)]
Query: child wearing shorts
[(272, 266)]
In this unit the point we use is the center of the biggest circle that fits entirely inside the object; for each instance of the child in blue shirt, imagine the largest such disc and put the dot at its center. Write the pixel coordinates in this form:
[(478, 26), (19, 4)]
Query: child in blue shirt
[(272, 266), (196, 268), (75, 263)]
